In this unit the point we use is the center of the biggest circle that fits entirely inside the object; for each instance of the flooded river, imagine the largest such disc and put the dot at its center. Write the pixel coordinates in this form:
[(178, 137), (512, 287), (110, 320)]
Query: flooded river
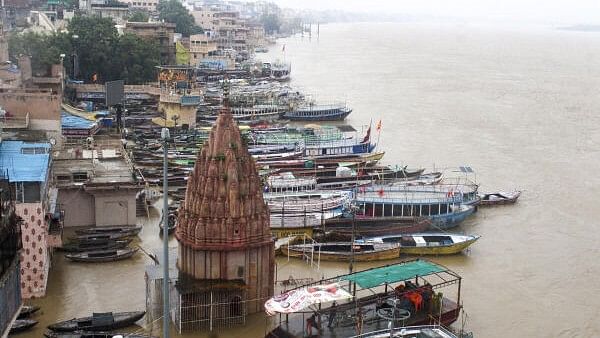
[(519, 105)]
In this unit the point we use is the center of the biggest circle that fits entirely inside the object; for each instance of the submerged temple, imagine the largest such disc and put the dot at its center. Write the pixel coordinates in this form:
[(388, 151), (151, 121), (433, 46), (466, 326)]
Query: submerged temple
[(226, 257)]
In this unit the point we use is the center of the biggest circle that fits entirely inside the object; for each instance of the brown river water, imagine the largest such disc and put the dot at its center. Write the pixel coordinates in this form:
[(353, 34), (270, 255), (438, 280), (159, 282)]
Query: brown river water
[(518, 104)]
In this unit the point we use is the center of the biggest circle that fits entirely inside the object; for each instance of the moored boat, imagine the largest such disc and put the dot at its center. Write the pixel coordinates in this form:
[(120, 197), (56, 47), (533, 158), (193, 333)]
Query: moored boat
[(27, 310), (102, 256), (309, 201), (133, 230), (424, 331), (92, 334), (319, 112), (91, 238), (376, 226), (343, 251), (104, 321), (426, 243), (498, 198), (95, 246), (21, 325)]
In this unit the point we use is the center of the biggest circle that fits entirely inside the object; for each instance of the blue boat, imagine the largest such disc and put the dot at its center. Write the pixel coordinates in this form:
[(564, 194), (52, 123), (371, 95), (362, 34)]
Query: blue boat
[(444, 208), (315, 112)]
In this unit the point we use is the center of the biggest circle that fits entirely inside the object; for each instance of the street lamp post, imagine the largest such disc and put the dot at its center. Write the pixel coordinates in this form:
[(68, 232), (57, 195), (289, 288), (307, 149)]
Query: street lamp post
[(165, 137), (75, 70), (62, 74)]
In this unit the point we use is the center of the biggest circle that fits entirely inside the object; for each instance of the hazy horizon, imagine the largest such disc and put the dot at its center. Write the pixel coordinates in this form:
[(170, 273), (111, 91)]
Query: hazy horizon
[(531, 11)]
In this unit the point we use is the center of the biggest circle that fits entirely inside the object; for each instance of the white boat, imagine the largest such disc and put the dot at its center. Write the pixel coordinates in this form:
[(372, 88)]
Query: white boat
[(427, 243), (314, 201)]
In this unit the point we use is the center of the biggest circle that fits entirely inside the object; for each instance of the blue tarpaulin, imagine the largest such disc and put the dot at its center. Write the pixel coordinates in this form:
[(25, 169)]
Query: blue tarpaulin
[(24, 161), (70, 121)]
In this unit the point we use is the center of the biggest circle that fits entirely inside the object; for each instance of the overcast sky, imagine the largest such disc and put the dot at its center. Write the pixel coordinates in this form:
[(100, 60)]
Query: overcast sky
[(565, 11)]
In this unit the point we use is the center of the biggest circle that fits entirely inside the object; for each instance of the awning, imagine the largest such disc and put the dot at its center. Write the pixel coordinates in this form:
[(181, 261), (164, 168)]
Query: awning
[(392, 274)]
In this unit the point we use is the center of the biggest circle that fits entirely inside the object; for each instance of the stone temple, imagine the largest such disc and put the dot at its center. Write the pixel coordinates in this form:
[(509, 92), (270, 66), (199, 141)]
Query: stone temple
[(226, 255)]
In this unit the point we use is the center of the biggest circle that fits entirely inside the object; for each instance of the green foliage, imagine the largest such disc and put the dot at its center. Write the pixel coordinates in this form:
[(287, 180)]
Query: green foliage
[(99, 48), (271, 23), (173, 11), (138, 16)]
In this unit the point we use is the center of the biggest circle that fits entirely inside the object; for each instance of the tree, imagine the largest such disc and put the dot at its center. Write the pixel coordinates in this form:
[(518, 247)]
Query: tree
[(138, 16), (271, 23), (173, 11), (99, 49)]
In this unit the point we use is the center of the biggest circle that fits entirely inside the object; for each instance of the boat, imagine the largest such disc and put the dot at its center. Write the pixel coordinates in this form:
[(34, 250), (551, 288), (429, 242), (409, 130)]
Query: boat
[(319, 112), (498, 198), (103, 321), (95, 246), (343, 251), (444, 207), (421, 331), (91, 238), (298, 224), (305, 202), (92, 334), (423, 292), (426, 243), (133, 230), (102, 255), (376, 226), (27, 310), (21, 325), (172, 224), (279, 71)]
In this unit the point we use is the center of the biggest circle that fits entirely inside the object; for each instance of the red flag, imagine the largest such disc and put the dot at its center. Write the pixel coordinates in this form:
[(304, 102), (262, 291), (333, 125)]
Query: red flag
[(378, 126), (380, 192)]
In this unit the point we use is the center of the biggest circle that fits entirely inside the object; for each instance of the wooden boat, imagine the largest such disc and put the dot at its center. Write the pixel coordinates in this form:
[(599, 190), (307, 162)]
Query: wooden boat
[(342, 252), (21, 325), (90, 238), (498, 198), (446, 208), (421, 292), (102, 255), (376, 226), (312, 201), (92, 334), (27, 310), (172, 224), (104, 321), (95, 246), (314, 112), (434, 331), (427, 243), (110, 230)]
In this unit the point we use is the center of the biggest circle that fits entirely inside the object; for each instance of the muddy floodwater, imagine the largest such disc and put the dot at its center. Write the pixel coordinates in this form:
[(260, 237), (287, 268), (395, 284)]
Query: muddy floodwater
[(520, 105)]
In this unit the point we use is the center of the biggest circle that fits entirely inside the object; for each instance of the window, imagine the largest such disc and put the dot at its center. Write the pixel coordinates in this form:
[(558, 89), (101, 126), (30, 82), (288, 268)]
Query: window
[(80, 176)]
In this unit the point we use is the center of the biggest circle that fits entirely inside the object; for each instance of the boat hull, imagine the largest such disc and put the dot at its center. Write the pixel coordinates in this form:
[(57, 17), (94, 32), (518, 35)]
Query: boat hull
[(437, 250), (451, 220), (390, 252), (121, 320)]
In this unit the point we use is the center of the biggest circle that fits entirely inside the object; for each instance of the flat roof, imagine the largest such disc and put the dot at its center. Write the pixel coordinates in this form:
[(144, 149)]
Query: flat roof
[(393, 273), (24, 161)]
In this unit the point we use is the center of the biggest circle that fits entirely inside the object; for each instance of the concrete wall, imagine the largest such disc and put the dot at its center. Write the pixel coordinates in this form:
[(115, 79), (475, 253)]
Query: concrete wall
[(79, 207), (116, 208), (43, 107)]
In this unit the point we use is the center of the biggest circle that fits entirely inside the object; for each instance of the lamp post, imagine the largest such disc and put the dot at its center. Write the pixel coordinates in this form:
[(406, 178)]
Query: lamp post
[(165, 137), (75, 71), (62, 74)]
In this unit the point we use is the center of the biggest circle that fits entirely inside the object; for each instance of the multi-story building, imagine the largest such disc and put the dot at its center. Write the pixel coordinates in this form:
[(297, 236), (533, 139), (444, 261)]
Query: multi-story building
[(148, 5), (96, 184), (227, 27), (26, 165), (162, 32), (201, 46), (10, 246)]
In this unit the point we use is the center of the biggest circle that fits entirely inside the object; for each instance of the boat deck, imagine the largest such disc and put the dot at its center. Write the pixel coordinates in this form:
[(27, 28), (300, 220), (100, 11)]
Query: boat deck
[(345, 325)]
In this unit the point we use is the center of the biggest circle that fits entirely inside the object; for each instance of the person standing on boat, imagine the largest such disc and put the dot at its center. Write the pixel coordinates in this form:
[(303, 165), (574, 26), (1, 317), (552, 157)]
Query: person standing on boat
[(312, 322), (332, 314), (359, 321)]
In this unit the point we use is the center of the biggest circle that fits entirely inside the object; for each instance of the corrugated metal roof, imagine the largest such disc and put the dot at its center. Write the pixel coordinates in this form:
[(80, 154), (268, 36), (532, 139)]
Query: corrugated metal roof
[(24, 161), (69, 121)]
